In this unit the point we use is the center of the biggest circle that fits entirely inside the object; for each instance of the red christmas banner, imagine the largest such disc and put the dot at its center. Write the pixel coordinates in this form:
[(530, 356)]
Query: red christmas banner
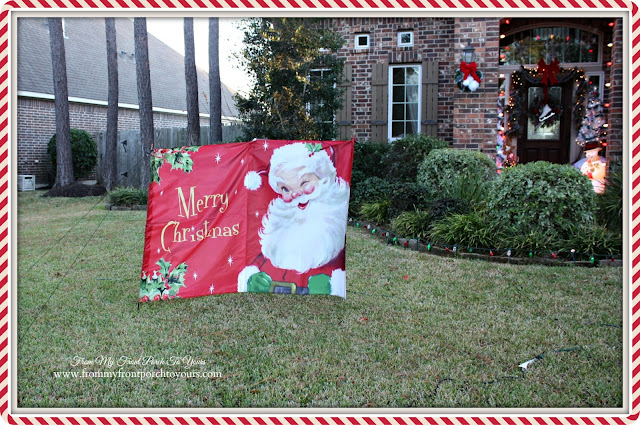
[(261, 216)]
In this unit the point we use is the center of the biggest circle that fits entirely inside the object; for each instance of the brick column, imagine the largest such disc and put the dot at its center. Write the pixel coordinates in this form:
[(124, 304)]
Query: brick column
[(614, 112), (475, 114)]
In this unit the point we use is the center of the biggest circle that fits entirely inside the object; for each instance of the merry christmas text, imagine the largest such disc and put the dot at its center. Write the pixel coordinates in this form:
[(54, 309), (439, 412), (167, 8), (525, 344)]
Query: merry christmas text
[(176, 234), (188, 207)]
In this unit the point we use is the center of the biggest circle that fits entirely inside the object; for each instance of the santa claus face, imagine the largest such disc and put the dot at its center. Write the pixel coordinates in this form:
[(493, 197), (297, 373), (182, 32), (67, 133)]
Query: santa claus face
[(293, 185), (305, 227)]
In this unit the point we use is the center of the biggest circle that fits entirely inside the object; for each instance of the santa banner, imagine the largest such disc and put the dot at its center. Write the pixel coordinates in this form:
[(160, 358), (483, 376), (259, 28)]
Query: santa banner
[(263, 216)]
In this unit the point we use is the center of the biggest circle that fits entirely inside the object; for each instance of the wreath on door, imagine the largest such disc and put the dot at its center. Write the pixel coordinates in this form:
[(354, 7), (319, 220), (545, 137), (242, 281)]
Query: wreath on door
[(544, 114)]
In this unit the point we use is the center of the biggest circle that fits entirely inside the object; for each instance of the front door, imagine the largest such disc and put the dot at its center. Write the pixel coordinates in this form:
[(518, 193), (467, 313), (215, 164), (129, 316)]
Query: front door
[(546, 136)]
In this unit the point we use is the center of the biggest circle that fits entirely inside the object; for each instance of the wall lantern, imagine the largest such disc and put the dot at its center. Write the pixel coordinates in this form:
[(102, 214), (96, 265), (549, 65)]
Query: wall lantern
[(468, 53)]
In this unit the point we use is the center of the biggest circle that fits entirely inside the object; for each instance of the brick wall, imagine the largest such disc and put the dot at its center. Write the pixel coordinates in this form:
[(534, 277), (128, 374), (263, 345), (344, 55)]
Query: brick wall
[(432, 40), (475, 114), (36, 125), (464, 120)]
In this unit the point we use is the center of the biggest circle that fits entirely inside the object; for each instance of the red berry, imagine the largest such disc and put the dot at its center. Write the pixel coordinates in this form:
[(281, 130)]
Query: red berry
[(144, 299), (165, 296), (157, 297), (167, 286)]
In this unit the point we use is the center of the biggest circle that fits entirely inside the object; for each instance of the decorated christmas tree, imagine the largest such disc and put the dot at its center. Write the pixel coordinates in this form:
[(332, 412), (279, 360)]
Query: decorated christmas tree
[(592, 121)]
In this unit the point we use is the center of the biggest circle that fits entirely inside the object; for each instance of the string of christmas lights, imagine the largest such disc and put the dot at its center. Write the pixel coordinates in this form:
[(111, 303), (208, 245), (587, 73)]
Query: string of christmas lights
[(568, 254), (517, 100)]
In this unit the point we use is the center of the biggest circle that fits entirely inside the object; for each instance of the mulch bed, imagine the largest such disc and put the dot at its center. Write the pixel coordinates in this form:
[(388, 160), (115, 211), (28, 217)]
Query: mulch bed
[(76, 190)]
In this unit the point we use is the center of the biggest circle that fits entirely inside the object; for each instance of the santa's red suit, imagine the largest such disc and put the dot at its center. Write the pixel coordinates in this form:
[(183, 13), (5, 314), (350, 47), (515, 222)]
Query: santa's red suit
[(325, 280)]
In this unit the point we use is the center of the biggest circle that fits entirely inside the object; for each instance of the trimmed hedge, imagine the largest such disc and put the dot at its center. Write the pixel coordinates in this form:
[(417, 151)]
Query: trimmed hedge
[(541, 197), (127, 196), (405, 155), (448, 170), (84, 153)]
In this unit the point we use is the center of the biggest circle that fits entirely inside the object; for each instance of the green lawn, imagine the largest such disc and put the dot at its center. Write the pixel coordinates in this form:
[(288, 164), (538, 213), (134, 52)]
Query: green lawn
[(450, 335)]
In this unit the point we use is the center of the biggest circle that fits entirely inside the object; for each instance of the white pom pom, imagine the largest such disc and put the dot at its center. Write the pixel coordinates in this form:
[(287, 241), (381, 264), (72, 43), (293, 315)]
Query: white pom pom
[(473, 84), (339, 283), (467, 81), (252, 180)]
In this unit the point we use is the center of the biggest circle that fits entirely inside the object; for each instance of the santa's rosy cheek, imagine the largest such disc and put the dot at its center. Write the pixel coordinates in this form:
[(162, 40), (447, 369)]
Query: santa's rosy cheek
[(287, 197), (309, 189)]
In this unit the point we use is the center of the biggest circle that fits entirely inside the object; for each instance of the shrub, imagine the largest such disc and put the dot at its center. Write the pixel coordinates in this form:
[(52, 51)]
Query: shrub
[(469, 189), (407, 196), (609, 203), (127, 196), (402, 196), (405, 155), (469, 230), (412, 224), (539, 197), (595, 240), (368, 161), (373, 189), (450, 169), (531, 241), (376, 212), (84, 153), (442, 207)]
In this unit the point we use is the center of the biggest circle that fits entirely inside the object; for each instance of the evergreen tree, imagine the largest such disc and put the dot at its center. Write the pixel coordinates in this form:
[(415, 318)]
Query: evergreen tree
[(592, 121), (296, 77)]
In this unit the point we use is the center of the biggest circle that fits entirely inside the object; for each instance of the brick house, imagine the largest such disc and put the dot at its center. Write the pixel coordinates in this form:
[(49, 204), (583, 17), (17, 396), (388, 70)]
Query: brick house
[(85, 46), (399, 79)]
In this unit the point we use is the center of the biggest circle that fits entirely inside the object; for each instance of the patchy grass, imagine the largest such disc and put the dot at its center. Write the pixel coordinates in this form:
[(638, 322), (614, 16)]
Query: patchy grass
[(449, 335)]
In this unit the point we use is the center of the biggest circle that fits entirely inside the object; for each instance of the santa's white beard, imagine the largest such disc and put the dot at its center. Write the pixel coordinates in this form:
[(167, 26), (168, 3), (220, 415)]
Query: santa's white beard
[(302, 239)]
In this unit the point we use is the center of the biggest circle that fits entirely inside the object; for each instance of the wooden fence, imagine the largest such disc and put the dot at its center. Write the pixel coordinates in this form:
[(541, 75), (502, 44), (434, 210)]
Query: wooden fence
[(129, 152)]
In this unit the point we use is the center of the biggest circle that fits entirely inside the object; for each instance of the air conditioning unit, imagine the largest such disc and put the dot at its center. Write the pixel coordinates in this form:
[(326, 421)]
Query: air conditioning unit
[(26, 182)]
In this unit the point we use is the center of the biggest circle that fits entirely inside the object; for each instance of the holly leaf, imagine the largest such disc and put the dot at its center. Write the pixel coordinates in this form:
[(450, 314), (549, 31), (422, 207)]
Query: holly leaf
[(179, 269), (459, 77), (191, 148), (313, 148), (164, 266), (187, 164)]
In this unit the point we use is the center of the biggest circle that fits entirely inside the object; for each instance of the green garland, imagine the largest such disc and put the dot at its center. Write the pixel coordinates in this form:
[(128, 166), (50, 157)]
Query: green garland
[(516, 108)]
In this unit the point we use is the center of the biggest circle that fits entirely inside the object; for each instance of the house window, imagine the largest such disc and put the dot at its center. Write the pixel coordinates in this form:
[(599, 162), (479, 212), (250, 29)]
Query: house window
[(596, 82), (568, 45), (362, 41), (405, 39), (404, 100)]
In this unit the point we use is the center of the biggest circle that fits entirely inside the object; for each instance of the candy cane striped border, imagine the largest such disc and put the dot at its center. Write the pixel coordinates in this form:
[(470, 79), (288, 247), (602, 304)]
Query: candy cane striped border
[(310, 5)]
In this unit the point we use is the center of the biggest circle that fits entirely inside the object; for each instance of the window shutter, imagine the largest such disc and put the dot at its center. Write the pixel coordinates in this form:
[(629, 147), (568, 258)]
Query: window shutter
[(429, 118), (380, 102), (344, 117)]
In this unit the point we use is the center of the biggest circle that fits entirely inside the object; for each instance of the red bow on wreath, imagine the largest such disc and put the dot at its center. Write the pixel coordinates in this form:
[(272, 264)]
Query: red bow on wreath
[(469, 69), (548, 77)]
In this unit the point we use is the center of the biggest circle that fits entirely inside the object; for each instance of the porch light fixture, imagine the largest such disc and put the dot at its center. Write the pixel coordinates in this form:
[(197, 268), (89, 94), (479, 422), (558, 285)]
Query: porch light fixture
[(468, 53)]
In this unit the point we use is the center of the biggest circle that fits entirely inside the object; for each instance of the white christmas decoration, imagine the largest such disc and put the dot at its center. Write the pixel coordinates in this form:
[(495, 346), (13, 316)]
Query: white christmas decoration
[(471, 83), (252, 180), (546, 113), (592, 123)]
